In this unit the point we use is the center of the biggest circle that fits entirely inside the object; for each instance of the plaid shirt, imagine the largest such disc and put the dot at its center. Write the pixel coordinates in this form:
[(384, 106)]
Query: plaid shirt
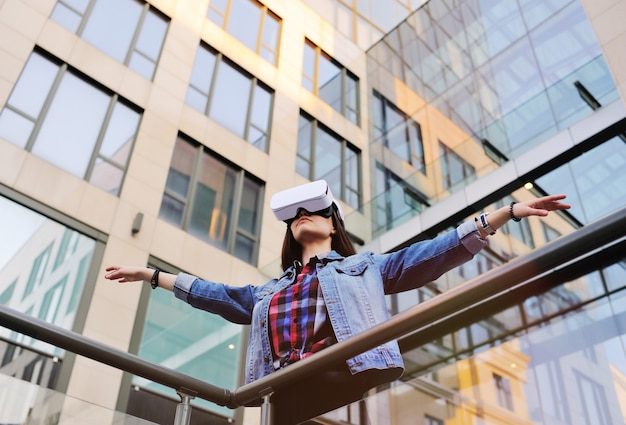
[(298, 320)]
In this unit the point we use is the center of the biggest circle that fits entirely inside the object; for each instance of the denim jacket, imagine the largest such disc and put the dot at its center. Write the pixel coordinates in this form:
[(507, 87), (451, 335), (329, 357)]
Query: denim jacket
[(353, 289)]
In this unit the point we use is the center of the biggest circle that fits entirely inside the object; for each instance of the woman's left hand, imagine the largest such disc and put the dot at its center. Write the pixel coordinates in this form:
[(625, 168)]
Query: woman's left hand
[(540, 206)]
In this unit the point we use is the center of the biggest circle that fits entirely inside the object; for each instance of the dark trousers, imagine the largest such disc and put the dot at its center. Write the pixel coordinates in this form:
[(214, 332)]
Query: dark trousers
[(325, 392)]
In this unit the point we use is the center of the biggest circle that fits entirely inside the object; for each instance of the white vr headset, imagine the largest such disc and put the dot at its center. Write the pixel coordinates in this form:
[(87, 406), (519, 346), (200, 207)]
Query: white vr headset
[(315, 197)]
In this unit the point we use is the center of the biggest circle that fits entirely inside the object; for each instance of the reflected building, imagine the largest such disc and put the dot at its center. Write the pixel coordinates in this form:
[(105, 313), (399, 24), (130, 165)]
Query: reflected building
[(154, 132)]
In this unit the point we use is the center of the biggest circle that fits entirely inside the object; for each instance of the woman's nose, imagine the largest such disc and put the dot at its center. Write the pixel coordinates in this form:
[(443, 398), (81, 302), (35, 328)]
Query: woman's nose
[(302, 211)]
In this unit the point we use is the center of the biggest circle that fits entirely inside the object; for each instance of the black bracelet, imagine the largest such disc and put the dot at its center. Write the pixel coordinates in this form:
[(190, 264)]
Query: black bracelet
[(154, 282), (511, 212)]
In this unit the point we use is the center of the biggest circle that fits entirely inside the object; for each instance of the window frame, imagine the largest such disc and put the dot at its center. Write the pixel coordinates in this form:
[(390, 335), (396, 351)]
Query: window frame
[(254, 83), (416, 160), (315, 126), (266, 13), (38, 121), (445, 154), (345, 74), (503, 391), (132, 48), (188, 201)]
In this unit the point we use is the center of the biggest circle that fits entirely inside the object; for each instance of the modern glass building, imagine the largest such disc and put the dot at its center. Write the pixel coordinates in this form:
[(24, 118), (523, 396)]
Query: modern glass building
[(154, 132)]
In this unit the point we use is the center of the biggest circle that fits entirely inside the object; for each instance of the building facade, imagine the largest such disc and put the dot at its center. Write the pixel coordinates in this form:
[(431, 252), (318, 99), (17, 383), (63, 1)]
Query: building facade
[(154, 133)]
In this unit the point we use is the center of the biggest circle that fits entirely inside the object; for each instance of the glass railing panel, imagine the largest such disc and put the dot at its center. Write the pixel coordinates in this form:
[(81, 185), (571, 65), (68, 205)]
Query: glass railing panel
[(560, 363), (22, 402)]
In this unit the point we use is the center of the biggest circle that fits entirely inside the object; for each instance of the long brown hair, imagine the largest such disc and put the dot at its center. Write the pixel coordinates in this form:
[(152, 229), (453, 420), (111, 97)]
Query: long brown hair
[(340, 242)]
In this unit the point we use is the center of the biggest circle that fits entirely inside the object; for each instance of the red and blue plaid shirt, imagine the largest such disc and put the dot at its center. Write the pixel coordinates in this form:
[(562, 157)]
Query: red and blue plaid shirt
[(299, 324)]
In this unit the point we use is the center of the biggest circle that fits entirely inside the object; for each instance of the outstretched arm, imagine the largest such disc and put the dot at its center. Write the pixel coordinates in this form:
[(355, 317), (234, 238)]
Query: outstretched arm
[(540, 207), (125, 274), (425, 261)]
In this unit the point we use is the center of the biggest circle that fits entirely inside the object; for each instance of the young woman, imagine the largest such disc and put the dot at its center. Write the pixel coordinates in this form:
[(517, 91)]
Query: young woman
[(327, 293)]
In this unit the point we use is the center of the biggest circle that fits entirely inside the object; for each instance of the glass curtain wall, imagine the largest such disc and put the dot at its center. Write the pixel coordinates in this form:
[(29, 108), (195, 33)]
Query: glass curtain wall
[(485, 81)]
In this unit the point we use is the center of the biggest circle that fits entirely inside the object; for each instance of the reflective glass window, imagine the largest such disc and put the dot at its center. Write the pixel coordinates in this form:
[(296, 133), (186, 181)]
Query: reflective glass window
[(232, 97), (129, 31), (43, 267), (191, 341), (76, 116), (213, 200), (332, 82), (250, 22), (454, 169), (324, 155)]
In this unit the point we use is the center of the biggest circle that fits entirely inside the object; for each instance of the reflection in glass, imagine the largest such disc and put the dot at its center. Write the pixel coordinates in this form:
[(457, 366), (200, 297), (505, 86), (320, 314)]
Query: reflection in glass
[(111, 26), (82, 105), (43, 267), (195, 343), (244, 21), (231, 95)]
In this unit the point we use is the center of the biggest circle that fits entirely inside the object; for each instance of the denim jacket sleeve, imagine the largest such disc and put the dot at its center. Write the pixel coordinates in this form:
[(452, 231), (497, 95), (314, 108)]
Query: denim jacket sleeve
[(425, 261), (233, 303)]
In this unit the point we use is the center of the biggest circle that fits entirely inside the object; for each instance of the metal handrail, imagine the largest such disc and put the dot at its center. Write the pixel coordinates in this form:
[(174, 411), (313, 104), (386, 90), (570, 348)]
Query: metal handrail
[(95, 350), (516, 271), (564, 249)]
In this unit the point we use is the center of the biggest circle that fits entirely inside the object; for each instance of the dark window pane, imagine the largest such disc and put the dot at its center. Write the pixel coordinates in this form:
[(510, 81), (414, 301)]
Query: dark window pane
[(259, 117), (120, 134), (72, 125), (213, 202), (244, 21), (230, 98), (111, 26), (250, 206), (172, 210), (181, 167), (244, 248)]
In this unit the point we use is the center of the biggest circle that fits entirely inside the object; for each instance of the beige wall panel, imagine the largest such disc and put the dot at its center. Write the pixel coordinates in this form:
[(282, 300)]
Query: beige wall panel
[(166, 106), (142, 196), (11, 159), (15, 43), (135, 88), (167, 242), (97, 64), (97, 208), (57, 40), (149, 171), (22, 18), (123, 223), (95, 383), (11, 67), (50, 185)]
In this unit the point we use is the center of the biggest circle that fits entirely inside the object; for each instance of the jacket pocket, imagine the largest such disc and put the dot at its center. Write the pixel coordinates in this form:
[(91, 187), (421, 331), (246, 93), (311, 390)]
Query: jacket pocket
[(353, 269)]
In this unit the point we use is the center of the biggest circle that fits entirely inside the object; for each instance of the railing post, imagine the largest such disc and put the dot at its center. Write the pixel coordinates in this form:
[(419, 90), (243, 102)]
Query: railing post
[(267, 412), (183, 410)]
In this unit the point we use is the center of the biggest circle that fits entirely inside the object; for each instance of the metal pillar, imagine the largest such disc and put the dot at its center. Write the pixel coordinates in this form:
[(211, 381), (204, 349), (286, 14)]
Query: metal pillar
[(267, 414), (183, 410)]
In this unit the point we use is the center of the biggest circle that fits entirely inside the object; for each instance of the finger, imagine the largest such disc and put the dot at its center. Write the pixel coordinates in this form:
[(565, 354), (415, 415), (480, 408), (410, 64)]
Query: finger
[(108, 269), (539, 212)]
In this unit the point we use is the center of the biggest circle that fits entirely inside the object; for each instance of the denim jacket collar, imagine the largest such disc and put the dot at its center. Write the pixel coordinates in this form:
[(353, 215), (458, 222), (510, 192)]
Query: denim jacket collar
[(325, 258)]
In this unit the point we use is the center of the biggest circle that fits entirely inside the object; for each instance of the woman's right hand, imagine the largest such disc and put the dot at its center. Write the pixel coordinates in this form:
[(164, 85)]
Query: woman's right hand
[(124, 274)]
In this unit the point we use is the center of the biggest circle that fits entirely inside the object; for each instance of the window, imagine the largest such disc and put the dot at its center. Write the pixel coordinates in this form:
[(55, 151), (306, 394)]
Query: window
[(321, 154), (329, 80), (130, 31), (251, 23), (429, 420), (213, 200), (503, 391), (395, 200), (230, 96), (52, 111), (30, 245), (549, 232), (398, 132), (454, 169), (201, 345)]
